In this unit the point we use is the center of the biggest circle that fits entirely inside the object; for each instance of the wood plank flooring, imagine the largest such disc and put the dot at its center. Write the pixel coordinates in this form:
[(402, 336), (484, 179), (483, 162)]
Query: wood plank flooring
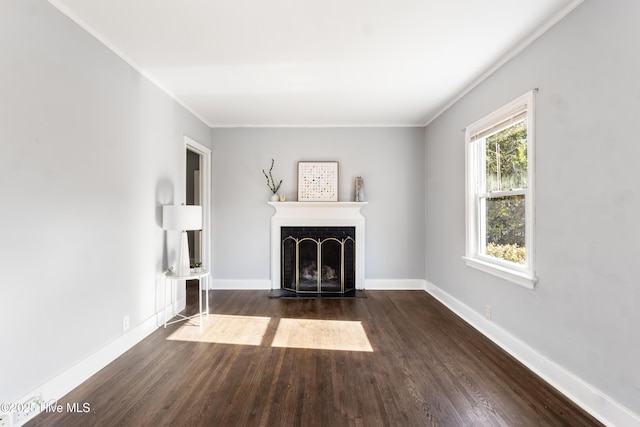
[(427, 368)]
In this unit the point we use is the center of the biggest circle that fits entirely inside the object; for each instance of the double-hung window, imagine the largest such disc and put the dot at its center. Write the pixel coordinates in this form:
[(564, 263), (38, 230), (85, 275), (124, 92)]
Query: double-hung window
[(499, 205)]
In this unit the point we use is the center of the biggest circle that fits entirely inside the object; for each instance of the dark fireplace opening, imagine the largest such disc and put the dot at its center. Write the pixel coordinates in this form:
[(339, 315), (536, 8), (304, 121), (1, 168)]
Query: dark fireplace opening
[(318, 259)]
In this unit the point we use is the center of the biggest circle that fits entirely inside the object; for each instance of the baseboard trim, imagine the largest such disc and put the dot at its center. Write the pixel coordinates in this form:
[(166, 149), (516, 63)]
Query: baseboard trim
[(241, 284), (72, 377), (395, 284), (588, 397)]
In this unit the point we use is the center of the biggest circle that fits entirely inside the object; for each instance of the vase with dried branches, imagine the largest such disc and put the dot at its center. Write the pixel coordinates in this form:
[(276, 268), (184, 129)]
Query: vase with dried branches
[(271, 182)]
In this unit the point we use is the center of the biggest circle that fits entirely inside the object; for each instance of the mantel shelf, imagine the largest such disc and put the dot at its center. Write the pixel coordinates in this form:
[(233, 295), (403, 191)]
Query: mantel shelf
[(318, 204)]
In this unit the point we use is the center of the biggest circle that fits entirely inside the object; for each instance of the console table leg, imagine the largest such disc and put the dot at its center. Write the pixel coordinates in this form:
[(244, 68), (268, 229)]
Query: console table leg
[(200, 300)]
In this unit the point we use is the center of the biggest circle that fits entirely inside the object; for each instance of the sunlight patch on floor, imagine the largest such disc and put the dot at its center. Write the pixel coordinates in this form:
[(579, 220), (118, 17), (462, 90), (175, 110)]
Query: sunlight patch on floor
[(322, 334), (224, 329), (291, 333)]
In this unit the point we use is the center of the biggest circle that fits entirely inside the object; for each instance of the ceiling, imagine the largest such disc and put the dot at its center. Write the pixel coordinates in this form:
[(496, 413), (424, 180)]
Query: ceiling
[(316, 63)]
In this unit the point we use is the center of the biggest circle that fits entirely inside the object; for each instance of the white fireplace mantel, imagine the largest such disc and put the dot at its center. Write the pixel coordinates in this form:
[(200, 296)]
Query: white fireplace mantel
[(316, 214)]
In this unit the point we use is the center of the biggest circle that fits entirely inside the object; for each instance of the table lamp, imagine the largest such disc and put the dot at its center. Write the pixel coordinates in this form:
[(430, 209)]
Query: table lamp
[(182, 218)]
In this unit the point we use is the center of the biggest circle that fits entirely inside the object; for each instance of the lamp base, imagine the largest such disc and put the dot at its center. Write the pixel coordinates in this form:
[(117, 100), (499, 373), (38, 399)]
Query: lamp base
[(183, 268)]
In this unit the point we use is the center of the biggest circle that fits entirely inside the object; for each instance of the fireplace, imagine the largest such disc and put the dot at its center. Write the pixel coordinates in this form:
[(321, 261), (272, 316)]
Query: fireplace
[(317, 247), (318, 259)]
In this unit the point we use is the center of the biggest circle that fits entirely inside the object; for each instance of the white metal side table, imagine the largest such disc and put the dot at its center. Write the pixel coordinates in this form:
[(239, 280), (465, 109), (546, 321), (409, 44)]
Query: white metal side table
[(172, 277)]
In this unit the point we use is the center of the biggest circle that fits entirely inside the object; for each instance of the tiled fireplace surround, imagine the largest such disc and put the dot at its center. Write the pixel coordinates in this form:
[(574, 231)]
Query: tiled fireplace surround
[(316, 214)]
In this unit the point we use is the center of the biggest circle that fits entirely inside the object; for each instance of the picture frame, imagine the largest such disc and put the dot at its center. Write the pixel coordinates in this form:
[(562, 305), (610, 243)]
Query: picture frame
[(318, 181)]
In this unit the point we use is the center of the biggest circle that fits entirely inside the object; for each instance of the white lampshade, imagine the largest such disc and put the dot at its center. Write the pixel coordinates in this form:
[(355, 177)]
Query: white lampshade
[(182, 217)]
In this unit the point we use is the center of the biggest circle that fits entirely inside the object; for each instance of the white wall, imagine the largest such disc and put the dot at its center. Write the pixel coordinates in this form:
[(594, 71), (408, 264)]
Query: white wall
[(89, 150), (389, 159), (583, 314)]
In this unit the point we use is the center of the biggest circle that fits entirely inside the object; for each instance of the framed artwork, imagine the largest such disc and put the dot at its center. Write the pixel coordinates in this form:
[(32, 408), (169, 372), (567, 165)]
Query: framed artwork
[(317, 181)]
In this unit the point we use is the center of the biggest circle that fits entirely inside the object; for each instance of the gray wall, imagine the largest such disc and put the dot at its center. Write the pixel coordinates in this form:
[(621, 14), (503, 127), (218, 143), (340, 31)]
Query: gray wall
[(89, 150), (583, 313), (389, 159)]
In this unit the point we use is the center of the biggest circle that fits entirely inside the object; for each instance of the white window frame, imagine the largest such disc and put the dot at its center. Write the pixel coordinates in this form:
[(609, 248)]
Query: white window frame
[(523, 275)]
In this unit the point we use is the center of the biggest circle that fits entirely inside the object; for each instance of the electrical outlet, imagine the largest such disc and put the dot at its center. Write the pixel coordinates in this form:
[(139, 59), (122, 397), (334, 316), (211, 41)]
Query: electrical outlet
[(28, 409), (5, 420), (125, 323), (487, 312)]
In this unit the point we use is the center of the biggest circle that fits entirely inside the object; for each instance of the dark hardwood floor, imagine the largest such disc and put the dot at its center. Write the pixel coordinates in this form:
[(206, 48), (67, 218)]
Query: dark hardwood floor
[(427, 367)]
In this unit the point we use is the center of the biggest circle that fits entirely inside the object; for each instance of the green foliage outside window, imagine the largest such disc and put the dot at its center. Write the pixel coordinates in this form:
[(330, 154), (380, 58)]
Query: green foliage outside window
[(506, 169), (506, 159)]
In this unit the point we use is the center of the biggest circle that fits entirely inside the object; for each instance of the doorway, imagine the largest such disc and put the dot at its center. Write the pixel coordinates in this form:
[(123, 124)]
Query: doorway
[(193, 197), (197, 192)]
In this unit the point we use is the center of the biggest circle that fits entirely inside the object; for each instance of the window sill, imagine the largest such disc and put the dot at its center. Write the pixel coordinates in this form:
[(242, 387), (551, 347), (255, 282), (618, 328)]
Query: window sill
[(519, 278)]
